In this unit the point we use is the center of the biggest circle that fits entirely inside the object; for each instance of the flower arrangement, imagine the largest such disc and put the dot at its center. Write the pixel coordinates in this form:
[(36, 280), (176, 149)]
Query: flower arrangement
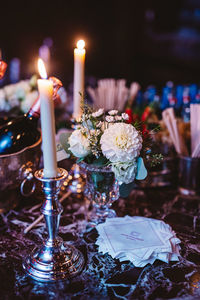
[(20, 96), (107, 140)]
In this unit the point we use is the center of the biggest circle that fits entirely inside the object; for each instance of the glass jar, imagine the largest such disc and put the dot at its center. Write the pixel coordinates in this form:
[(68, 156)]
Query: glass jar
[(102, 189)]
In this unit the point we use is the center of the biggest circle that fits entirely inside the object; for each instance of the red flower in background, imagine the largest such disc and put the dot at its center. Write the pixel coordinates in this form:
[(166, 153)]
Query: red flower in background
[(146, 114), (129, 112), (3, 67), (133, 117)]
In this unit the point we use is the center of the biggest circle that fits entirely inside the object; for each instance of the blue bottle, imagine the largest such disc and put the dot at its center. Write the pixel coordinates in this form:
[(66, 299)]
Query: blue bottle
[(193, 92), (179, 96), (164, 98)]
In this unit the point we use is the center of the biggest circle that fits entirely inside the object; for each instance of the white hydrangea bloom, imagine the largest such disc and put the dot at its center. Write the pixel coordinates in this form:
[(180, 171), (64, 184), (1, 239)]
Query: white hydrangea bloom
[(98, 113), (79, 144), (125, 172), (113, 112), (121, 142)]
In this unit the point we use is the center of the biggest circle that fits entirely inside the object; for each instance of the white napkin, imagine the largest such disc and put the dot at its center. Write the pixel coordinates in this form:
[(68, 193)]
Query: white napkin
[(138, 239)]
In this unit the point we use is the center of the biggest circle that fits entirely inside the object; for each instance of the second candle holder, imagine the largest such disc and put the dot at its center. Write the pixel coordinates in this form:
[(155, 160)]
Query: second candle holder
[(55, 260)]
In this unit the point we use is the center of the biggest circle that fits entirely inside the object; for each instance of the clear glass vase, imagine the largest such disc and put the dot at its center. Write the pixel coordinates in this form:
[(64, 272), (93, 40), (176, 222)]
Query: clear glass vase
[(102, 190)]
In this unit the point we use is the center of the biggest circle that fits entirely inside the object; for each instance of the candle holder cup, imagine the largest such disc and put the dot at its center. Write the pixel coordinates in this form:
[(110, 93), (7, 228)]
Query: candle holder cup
[(189, 176), (55, 260)]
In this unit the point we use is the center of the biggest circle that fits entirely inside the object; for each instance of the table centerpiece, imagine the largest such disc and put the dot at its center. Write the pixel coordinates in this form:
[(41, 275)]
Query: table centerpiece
[(111, 152)]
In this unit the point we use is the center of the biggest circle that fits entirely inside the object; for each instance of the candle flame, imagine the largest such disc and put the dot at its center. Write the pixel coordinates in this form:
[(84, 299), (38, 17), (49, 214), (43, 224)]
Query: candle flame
[(42, 69), (80, 44)]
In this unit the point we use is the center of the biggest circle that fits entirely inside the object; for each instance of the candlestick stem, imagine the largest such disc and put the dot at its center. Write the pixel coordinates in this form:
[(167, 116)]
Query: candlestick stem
[(51, 209), (55, 260)]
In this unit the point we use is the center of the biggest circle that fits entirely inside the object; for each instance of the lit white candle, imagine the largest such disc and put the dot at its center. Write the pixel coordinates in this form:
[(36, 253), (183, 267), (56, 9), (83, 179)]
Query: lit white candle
[(79, 66), (45, 88)]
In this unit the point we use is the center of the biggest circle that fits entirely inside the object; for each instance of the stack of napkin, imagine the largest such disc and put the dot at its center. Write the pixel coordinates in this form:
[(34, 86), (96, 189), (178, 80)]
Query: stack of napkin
[(138, 239)]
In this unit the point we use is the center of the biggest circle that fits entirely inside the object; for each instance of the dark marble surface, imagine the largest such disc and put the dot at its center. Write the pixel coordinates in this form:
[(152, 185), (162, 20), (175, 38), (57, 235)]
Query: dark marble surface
[(103, 277)]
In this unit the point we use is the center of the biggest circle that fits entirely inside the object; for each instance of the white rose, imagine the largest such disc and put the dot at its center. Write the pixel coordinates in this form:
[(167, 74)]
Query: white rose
[(113, 112), (79, 145), (98, 113), (125, 172), (121, 142)]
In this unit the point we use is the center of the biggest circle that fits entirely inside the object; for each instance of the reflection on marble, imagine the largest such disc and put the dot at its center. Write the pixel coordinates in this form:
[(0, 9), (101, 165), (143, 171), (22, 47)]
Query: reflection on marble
[(103, 277)]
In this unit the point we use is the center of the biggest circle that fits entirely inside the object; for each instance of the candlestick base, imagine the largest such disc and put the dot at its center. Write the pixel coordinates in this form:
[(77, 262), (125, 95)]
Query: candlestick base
[(58, 261), (55, 260)]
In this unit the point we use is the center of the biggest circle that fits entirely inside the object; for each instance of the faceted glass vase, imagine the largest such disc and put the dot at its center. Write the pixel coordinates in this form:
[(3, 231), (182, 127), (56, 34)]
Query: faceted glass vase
[(102, 190)]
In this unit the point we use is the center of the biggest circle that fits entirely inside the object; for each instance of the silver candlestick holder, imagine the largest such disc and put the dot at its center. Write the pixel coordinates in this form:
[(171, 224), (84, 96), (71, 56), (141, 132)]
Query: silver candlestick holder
[(55, 260)]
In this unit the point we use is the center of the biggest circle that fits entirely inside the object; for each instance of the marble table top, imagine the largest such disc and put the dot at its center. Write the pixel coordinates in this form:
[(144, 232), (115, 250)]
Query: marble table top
[(103, 277)]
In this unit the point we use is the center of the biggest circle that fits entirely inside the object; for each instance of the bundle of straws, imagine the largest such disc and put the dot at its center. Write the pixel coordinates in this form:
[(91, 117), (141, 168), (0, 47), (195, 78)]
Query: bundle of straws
[(112, 94), (195, 129), (173, 126)]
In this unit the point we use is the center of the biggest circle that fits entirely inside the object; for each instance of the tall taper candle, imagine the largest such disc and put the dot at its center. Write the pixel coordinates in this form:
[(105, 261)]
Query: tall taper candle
[(45, 88), (79, 68)]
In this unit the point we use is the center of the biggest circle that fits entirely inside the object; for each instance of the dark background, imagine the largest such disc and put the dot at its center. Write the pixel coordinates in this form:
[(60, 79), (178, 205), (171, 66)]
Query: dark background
[(149, 41)]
